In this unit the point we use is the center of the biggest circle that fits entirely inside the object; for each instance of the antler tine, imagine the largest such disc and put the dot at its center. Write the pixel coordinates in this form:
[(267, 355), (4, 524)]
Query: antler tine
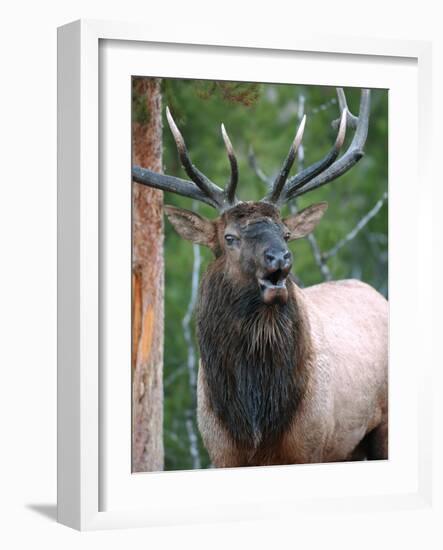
[(232, 185), (351, 119), (311, 171), (282, 176), (352, 155), (209, 188)]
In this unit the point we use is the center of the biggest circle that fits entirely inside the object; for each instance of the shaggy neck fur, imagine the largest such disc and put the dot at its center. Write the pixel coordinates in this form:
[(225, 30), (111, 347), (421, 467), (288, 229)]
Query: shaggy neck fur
[(254, 358)]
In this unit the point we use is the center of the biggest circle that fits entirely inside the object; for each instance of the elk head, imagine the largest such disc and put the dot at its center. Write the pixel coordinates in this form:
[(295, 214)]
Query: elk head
[(250, 238)]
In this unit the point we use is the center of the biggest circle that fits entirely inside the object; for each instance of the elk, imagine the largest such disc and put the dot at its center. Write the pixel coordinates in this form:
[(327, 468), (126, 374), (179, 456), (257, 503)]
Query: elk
[(287, 374)]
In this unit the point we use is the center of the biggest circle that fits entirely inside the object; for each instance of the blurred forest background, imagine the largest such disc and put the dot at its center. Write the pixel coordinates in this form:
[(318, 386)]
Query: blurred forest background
[(261, 119)]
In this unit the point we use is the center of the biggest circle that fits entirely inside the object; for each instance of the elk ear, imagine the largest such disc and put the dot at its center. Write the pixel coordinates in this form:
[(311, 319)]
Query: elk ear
[(302, 223), (192, 226)]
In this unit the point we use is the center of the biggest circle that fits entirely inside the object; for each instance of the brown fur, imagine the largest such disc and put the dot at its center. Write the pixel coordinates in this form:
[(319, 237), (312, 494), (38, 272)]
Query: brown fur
[(255, 360)]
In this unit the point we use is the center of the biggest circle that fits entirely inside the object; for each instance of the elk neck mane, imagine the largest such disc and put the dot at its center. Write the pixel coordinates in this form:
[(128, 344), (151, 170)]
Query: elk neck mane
[(254, 358)]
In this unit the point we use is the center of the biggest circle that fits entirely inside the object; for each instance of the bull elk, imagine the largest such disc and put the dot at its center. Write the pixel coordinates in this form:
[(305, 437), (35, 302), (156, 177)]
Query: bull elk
[(287, 374)]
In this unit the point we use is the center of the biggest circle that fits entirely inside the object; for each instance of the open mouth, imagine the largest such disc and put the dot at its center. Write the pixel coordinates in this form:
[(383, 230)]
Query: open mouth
[(273, 287), (275, 279)]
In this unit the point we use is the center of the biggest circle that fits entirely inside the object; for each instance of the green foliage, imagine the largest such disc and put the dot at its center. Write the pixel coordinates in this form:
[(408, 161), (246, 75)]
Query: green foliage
[(265, 117)]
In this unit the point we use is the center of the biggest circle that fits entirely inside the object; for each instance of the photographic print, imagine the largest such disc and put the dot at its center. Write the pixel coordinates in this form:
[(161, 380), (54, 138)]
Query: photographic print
[(259, 274)]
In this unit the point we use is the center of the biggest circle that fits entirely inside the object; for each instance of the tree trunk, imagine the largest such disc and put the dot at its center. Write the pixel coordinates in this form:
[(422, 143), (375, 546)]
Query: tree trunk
[(147, 288)]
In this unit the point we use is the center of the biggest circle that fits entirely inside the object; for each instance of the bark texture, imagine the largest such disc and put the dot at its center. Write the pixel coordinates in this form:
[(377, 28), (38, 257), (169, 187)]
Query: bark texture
[(147, 289)]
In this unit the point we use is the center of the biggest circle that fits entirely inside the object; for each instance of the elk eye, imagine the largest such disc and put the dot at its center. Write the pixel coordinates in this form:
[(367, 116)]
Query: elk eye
[(230, 239)]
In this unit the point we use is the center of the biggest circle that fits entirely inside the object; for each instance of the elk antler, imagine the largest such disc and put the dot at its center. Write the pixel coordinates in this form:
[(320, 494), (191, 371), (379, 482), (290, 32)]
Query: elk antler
[(329, 168), (282, 176), (232, 185), (283, 190), (204, 189)]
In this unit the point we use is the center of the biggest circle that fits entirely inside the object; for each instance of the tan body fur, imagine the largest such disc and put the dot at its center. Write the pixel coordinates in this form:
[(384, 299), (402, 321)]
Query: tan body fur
[(343, 414)]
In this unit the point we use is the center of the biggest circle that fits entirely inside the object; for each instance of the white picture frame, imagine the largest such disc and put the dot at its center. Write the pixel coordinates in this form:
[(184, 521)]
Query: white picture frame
[(95, 492)]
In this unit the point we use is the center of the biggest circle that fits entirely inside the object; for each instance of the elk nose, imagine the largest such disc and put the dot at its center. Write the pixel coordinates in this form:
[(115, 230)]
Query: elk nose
[(277, 259)]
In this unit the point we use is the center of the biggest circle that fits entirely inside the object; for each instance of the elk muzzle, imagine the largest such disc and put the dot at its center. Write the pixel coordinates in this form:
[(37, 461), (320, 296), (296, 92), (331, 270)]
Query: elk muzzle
[(277, 263)]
